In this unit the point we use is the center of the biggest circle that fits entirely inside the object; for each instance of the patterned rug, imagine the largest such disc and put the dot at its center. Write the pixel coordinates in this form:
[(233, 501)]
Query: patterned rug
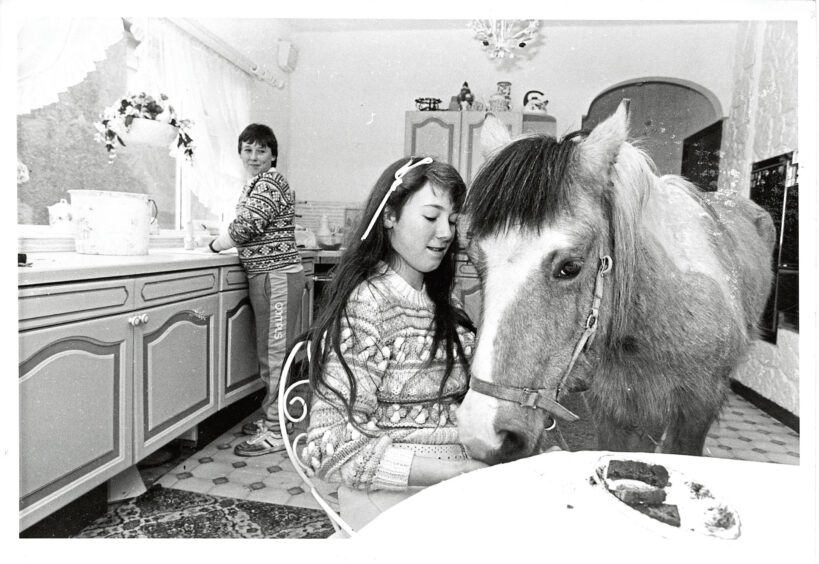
[(169, 513)]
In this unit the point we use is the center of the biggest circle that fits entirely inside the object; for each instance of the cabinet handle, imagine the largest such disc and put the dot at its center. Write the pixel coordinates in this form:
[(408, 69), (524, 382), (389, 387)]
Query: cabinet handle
[(144, 318), (134, 321)]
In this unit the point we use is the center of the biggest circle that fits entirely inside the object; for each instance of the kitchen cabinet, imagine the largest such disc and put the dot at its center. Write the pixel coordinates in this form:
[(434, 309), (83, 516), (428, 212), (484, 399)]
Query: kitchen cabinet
[(99, 393), (453, 137), (307, 297), (174, 370), (468, 288), (75, 397), (238, 370), (114, 368)]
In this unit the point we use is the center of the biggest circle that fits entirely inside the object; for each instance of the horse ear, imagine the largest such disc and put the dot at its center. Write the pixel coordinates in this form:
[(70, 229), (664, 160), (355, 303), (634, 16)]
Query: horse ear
[(600, 148), (494, 135)]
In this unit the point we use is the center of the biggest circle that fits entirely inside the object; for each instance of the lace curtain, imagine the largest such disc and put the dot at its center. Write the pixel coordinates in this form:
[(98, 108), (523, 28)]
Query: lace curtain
[(206, 89), (55, 53)]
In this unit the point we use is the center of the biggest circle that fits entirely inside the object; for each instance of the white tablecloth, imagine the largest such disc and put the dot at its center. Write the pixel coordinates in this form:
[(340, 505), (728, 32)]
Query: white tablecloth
[(545, 507)]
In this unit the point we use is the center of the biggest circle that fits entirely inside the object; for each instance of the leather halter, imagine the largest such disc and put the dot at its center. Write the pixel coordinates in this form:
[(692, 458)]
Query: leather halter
[(540, 398)]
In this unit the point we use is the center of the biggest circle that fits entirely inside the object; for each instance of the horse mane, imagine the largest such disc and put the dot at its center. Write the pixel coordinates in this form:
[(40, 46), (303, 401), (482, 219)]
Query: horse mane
[(631, 180)]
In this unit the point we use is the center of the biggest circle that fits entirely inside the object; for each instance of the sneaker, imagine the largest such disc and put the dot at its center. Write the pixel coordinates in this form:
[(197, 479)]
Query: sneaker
[(264, 442)]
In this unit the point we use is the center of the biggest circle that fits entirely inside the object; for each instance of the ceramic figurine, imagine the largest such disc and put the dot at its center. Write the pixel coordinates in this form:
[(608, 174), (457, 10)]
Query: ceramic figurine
[(534, 102), (465, 97), (501, 101)]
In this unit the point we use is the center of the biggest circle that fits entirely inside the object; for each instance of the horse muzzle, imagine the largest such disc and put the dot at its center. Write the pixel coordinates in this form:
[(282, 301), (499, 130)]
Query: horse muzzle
[(500, 431)]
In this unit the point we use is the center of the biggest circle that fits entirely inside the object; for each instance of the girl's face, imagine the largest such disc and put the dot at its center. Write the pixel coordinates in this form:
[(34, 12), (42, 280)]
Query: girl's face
[(422, 235), (256, 158)]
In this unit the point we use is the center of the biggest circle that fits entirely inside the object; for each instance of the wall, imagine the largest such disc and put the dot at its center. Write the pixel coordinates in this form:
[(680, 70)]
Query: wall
[(763, 123), (351, 89)]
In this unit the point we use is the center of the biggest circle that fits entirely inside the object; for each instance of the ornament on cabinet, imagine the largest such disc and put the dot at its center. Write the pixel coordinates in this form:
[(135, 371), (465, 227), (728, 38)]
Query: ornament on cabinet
[(501, 101), (534, 102), (427, 104), (465, 97)]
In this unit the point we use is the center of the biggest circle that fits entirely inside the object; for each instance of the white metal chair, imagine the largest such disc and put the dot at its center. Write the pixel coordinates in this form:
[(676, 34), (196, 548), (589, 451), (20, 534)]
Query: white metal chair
[(287, 415)]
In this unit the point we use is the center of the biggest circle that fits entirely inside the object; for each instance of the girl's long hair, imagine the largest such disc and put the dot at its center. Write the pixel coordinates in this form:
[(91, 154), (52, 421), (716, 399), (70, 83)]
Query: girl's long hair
[(360, 262)]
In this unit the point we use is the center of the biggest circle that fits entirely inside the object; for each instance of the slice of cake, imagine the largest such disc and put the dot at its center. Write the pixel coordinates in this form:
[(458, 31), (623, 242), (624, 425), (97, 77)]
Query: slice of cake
[(633, 491), (663, 512), (653, 474)]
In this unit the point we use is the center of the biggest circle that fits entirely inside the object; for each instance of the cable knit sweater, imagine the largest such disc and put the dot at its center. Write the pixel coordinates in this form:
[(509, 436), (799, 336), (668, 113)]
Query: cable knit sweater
[(386, 342)]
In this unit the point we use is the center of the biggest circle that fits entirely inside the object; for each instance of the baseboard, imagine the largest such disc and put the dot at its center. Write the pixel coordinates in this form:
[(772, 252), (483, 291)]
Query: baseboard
[(771, 408)]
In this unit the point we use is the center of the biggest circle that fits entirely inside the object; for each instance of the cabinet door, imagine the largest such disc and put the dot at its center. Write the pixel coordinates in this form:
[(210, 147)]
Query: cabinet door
[(174, 370), (238, 373), (434, 134), (468, 290), (75, 411), (471, 157), (307, 306)]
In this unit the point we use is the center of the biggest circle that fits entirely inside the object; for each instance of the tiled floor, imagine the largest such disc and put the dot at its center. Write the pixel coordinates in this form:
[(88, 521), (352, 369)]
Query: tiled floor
[(269, 478), (743, 432)]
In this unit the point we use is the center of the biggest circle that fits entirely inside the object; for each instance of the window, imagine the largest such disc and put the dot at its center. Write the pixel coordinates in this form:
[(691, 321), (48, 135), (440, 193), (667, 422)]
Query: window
[(56, 141)]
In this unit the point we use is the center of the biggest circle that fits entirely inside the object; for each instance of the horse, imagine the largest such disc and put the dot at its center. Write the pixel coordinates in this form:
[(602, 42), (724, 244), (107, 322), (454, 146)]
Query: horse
[(601, 277)]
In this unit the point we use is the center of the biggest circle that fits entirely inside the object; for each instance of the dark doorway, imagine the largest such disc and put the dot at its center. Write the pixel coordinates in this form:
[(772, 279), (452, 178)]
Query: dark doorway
[(663, 112), (700, 157)]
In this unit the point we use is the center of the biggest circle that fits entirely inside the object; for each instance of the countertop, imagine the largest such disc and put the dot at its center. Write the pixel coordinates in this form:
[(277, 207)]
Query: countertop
[(58, 267)]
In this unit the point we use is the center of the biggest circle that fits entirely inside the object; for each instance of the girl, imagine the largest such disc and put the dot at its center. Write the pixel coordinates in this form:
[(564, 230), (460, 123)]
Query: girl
[(391, 366)]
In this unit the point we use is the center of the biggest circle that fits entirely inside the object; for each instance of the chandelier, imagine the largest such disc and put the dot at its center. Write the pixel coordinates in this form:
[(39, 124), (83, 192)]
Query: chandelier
[(501, 38)]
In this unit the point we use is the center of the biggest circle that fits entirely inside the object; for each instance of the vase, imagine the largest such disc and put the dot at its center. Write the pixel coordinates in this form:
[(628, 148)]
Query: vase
[(146, 132), (501, 101)]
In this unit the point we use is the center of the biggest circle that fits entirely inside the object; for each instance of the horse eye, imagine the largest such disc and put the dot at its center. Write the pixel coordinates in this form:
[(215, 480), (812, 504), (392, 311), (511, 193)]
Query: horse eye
[(570, 269)]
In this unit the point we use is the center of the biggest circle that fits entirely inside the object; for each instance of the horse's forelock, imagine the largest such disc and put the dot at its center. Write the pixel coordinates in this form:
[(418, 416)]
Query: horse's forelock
[(524, 185)]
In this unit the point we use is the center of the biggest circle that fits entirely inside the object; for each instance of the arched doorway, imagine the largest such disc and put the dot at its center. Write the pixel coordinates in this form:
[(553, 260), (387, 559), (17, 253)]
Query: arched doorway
[(663, 114)]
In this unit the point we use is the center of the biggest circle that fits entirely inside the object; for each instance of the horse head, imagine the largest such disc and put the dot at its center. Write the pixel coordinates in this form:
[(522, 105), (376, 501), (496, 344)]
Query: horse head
[(553, 244)]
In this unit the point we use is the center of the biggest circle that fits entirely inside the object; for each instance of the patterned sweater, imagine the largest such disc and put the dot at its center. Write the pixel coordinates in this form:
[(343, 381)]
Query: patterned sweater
[(263, 228), (386, 342)]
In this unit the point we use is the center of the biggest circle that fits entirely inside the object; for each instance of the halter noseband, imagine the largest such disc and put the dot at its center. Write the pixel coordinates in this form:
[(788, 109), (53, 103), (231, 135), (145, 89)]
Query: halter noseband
[(539, 398)]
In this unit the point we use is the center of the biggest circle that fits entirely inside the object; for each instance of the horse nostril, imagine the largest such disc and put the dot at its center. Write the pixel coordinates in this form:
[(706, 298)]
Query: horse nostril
[(513, 446)]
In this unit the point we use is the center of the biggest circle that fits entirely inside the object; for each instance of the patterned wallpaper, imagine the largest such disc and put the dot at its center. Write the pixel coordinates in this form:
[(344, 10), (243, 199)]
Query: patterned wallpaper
[(762, 123)]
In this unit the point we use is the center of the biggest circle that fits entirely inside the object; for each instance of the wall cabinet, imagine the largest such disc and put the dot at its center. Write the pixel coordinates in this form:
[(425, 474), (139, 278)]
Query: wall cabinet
[(468, 288), (453, 137)]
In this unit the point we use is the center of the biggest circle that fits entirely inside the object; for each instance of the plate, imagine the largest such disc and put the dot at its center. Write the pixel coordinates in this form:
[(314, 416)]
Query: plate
[(701, 512)]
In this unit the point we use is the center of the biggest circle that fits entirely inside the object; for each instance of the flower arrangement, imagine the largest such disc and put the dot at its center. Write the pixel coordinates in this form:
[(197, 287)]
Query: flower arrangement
[(120, 116)]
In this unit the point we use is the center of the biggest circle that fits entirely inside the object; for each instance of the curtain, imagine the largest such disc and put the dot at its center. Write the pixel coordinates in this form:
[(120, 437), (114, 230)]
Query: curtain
[(207, 89), (55, 53)]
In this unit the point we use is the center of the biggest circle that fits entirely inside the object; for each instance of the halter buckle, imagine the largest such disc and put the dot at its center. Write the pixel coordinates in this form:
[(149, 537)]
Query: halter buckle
[(529, 397), (591, 321)]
